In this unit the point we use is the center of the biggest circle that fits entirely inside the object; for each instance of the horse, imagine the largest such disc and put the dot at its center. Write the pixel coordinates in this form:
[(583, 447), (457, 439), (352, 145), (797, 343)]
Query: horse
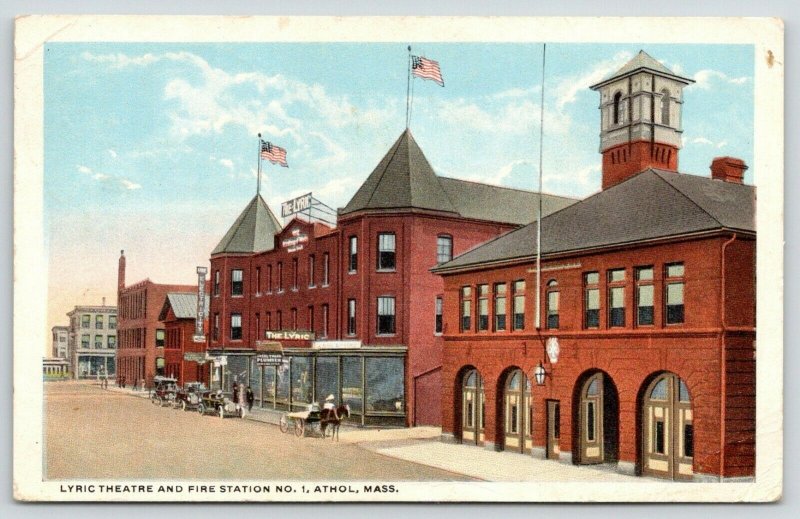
[(328, 417)]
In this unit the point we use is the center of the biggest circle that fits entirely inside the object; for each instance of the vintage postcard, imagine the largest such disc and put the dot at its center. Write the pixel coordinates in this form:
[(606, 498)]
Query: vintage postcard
[(398, 259)]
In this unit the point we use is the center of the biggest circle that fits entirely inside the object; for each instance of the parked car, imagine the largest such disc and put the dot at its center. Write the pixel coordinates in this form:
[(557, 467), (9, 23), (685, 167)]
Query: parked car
[(219, 403), (164, 390), (190, 396)]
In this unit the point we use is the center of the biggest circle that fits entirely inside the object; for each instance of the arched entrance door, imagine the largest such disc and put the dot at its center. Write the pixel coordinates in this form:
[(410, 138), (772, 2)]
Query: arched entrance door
[(472, 408), (668, 435), (597, 420), (517, 412)]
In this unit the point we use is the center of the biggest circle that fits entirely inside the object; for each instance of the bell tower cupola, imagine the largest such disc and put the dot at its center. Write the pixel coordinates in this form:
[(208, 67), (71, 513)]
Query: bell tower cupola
[(640, 119)]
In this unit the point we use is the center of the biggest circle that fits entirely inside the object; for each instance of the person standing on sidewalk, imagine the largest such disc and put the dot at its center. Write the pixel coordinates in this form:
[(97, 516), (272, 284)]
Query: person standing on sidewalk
[(250, 399), (242, 400)]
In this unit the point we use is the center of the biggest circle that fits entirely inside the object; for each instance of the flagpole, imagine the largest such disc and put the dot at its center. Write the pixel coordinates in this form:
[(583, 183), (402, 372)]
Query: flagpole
[(408, 89), (539, 212), (258, 184)]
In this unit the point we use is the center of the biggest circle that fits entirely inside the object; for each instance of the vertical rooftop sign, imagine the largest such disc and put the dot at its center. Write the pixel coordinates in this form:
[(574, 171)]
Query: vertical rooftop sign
[(201, 305)]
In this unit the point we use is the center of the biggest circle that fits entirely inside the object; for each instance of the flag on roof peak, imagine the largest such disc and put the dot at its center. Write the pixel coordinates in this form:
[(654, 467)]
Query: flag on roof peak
[(273, 153), (426, 69)]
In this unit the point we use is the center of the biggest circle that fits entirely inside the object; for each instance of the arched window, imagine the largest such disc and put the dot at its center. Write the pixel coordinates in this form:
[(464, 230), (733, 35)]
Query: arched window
[(665, 106), (617, 107)]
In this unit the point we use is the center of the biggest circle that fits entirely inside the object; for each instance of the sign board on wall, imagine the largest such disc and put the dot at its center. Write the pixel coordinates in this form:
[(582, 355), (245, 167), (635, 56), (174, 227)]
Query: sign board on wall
[(201, 305), (289, 335), (296, 205), (195, 356), (296, 240)]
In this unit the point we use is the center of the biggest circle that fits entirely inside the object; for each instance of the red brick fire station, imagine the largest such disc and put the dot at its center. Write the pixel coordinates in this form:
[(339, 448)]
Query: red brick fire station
[(644, 353)]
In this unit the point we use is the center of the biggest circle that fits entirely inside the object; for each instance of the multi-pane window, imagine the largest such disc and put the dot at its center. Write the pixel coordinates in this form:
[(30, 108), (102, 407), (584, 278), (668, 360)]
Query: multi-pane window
[(353, 263), (644, 296), (499, 306), (325, 267), (237, 282), (616, 297), (519, 305), (324, 321), (295, 274), (386, 318), (216, 282), (553, 296), (483, 307), (160, 338), (112, 341), (466, 309), (85, 340), (444, 248), (86, 321), (216, 327), (236, 327), (591, 319), (98, 341), (98, 322), (269, 279), (280, 276), (438, 312), (351, 317), (258, 280), (674, 288), (386, 251), (311, 265), (112, 322)]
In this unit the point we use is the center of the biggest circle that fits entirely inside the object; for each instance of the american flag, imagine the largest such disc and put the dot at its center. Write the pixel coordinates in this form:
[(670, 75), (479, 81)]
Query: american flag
[(274, 154), (426, 69)]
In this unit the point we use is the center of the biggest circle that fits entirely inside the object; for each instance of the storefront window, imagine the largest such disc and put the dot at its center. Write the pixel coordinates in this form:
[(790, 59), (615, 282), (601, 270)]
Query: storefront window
[(327, 378), (283, 383), (236, 371), (301, 380), (269, 386), (352, 383), (255, 379), (385, 384)]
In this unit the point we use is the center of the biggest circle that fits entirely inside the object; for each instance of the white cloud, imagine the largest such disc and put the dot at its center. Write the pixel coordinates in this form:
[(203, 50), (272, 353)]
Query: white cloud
[(704, 141), (101, 176), (127, 184), (704, 78), (515, 117), (228, 163), (85, 170), (112, 153)]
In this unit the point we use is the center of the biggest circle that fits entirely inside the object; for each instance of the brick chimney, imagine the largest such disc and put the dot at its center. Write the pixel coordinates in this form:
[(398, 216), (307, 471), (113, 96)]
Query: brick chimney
[(728, 169), (121, 271)]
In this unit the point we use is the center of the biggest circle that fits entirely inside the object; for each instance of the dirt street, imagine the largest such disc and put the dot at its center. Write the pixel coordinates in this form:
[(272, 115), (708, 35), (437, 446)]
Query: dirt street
[(93, 434)]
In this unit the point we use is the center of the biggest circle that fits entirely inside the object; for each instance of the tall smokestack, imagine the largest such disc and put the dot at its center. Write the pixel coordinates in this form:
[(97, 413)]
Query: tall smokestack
[(121, 271)]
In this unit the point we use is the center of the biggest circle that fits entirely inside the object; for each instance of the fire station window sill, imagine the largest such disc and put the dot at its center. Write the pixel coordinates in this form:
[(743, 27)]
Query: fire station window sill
[(325, 285), (259, 294), (385, 271), (385, 335), (237, 296), (437, 334), (279, 292), (351, 272), (310, 287), (295, 289)]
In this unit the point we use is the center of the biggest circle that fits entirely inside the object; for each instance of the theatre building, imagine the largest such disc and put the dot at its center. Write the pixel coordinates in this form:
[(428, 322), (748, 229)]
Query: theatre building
[(353, 307), (644, 353), (141, 336)]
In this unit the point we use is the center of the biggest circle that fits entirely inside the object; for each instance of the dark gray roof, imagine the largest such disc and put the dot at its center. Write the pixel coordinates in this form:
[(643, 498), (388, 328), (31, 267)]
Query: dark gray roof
[(499, 204), (642, 61), (184, 305), (253, 231), (405, 179), (402, 179), (652, 204)]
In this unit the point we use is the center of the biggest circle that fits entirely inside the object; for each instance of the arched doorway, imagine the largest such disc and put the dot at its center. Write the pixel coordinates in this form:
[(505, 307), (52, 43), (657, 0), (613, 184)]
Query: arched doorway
[(597, 415), (668, 430), (517, 412), (472, 408)]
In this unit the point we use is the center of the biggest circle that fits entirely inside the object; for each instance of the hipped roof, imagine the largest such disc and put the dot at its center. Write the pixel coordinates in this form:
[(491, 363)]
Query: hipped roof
[(253, 231)]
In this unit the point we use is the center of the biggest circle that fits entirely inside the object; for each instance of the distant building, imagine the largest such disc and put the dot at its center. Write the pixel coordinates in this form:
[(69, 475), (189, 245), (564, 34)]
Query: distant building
[(60, 349), (92, 341), (55, 368), (141, 335), (178, 315)]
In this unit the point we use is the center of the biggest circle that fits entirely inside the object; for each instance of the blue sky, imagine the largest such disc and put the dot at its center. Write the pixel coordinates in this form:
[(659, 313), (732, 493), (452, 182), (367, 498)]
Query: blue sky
[(152, 148)]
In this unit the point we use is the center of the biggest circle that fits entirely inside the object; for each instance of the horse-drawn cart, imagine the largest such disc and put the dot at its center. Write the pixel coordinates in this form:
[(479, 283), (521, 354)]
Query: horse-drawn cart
[(300, 421)]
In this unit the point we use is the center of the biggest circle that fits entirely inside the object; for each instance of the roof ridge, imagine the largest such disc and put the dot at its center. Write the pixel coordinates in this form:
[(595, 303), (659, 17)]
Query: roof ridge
[(687, 197), (531, 191)]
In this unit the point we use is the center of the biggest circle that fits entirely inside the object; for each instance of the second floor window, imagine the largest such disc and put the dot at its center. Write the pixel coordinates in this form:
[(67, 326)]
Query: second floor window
[(499, 306), (160, 338), (353, 263), (280, 276), (644, 296), (438, 326), (216, 282), (236, 327), (258, 280), (112, 341), (112, 322), (674, 288), (85, 340), (466, 309), (311, 264), (552, 304), (616, 297), (269, 279), (444, 248), (386, 321), (351, 317), (98, 341), (591, 302), (483, 307), (98, 322), (237, 282), (386, 251), (519, 305), (294, 318), (295, 274), (325, 267)]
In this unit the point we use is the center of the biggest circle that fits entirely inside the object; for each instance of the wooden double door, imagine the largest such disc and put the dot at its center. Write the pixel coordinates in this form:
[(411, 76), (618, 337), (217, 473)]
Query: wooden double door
[(668, 429), (472, 408), (598, 420), (517, 413)]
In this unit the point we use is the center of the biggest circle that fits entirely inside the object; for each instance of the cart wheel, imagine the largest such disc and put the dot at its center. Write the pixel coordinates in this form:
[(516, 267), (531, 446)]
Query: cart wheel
[(201, 409), (284, 423), (299, 427), (159, 401)]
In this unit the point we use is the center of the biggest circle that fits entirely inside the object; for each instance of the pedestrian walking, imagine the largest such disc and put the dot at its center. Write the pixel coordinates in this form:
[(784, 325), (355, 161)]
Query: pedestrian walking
[(250, 398)]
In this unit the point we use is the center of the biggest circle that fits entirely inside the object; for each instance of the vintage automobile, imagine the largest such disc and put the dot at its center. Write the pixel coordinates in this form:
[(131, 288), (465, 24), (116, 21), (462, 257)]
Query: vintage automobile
[(190, 396), (218, 403), (164, 390)]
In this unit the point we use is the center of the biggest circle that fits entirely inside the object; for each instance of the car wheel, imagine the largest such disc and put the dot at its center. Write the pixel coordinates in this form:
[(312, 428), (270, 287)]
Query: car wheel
[(201, 409)]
